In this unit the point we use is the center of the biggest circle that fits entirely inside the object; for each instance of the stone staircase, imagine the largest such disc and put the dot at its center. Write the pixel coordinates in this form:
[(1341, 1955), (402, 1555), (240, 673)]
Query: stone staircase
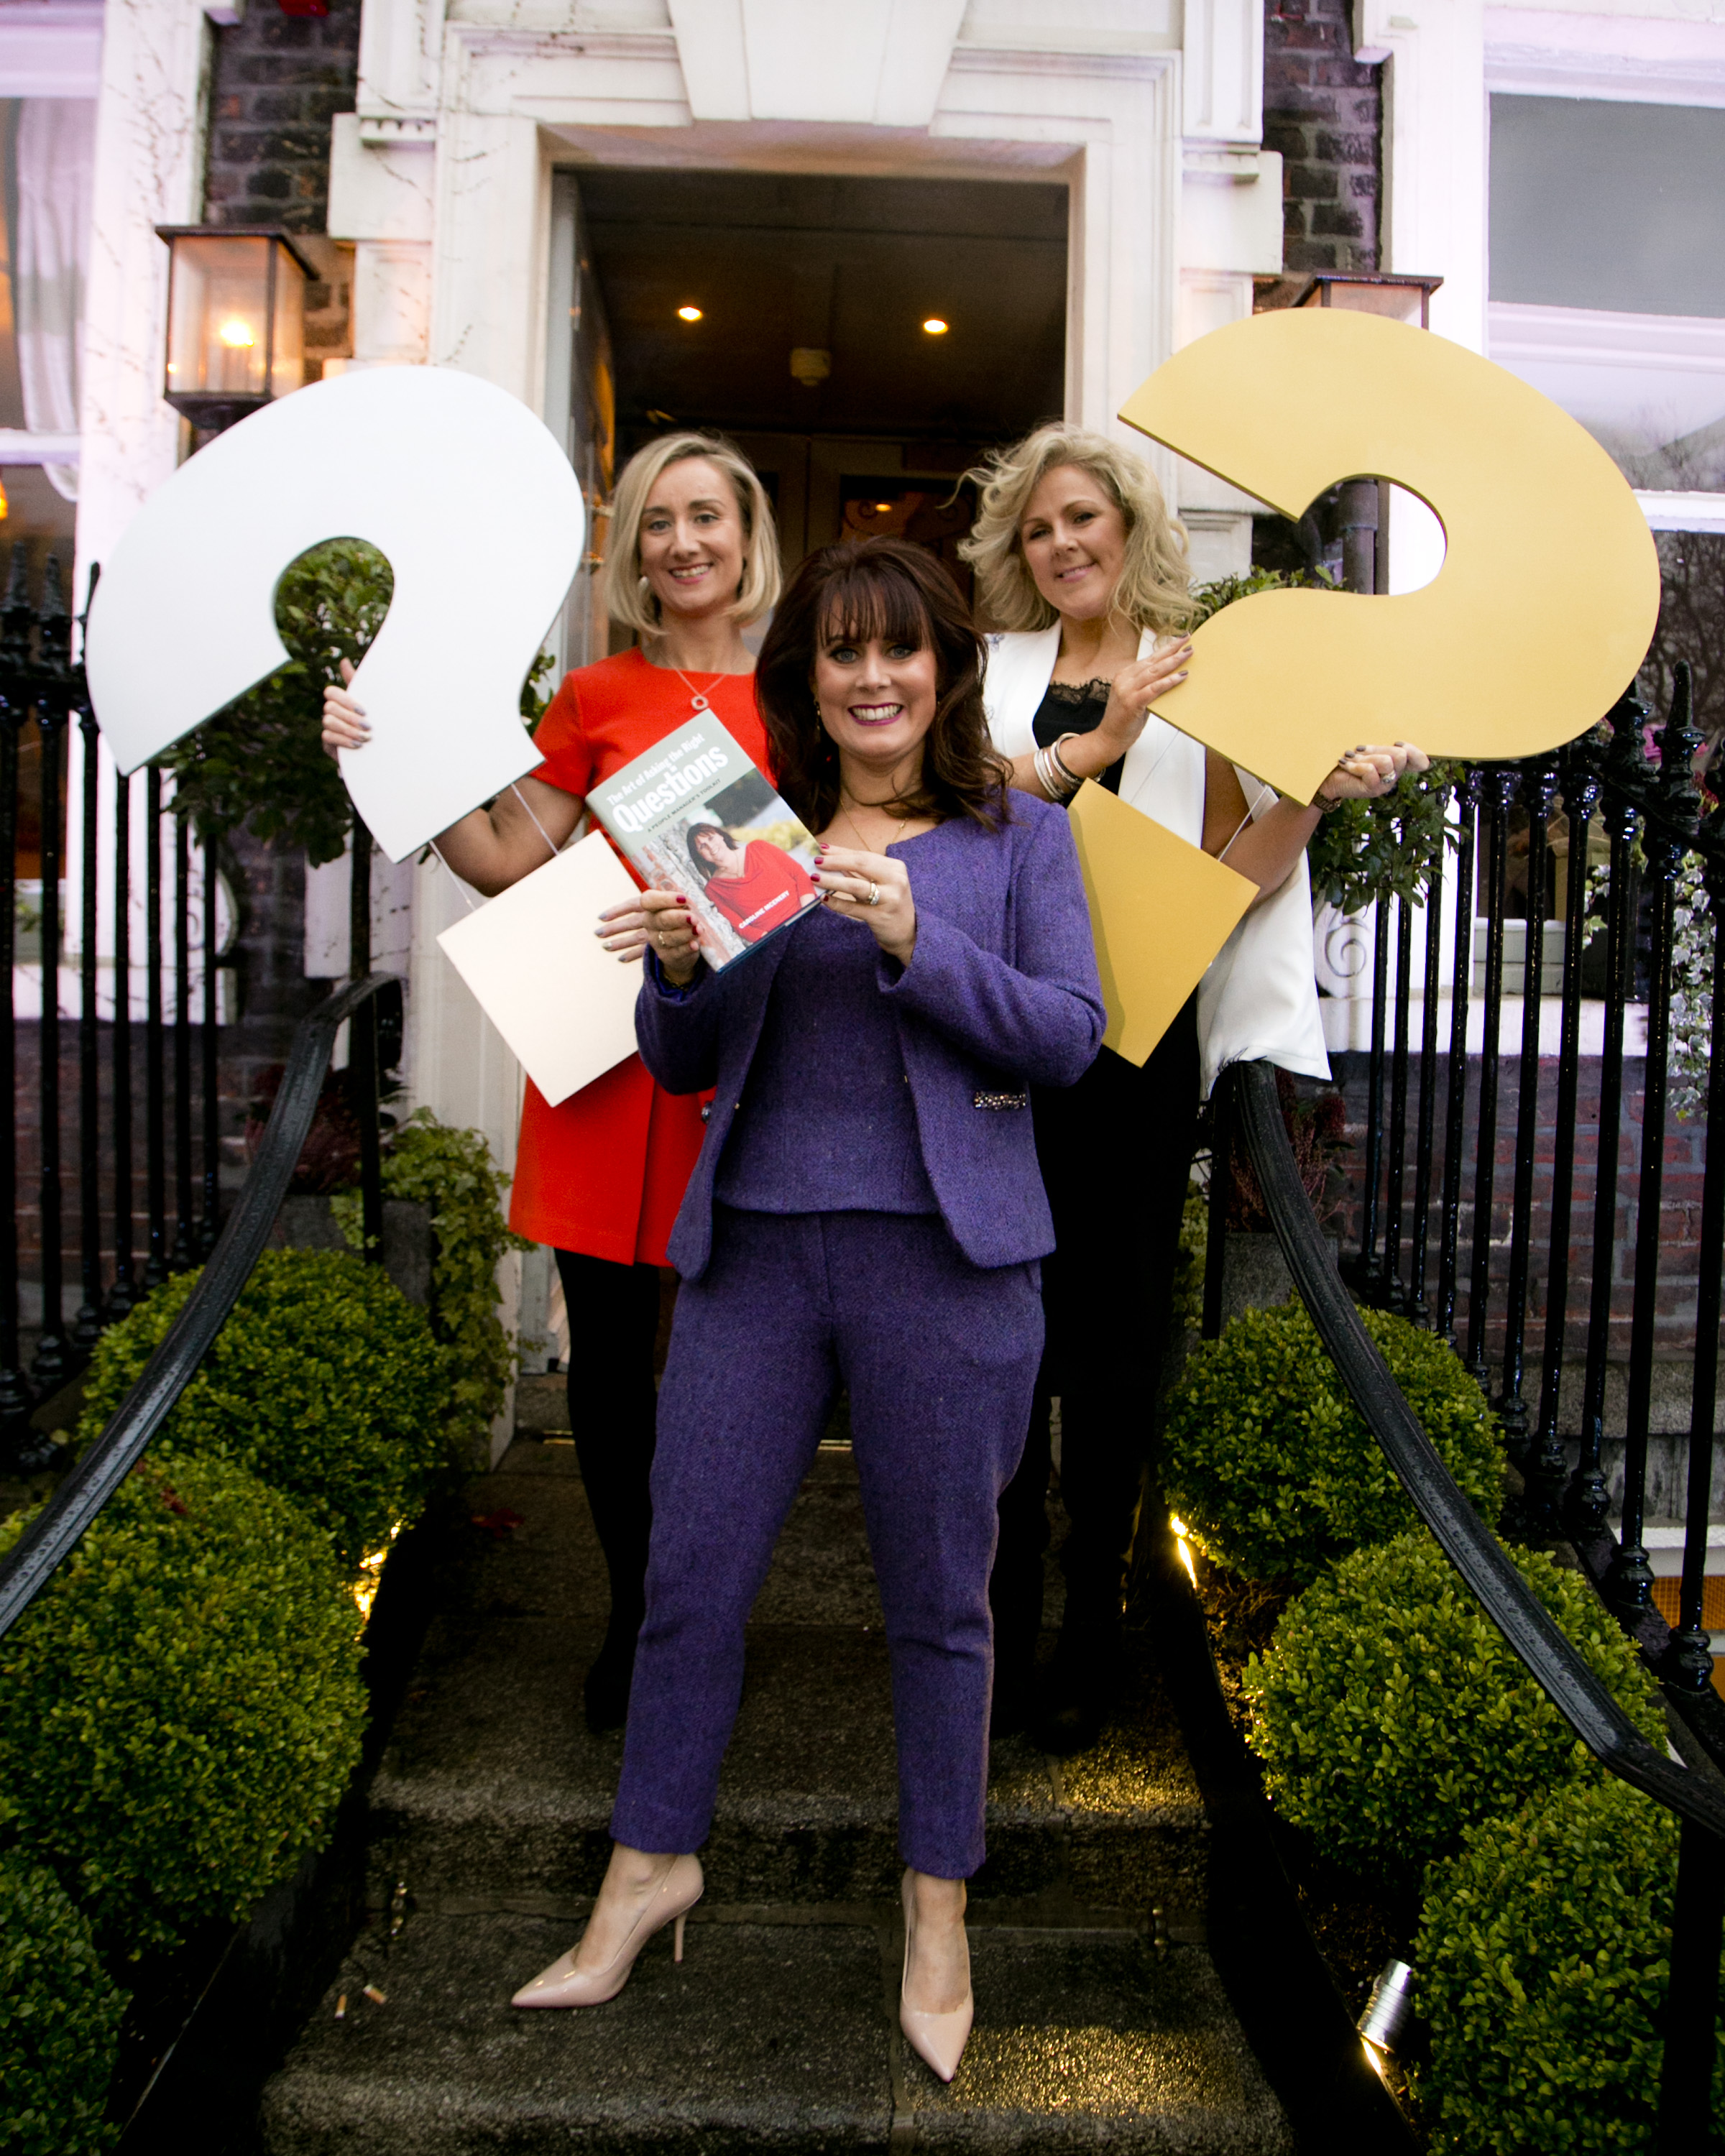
[(1100, 2017)]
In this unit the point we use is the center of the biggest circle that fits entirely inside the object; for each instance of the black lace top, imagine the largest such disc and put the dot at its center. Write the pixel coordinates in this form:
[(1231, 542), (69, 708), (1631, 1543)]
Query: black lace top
[(1075, 709)]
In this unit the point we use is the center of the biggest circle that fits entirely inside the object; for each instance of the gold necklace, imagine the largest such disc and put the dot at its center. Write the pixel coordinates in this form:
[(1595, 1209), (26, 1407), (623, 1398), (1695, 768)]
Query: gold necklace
[(861, 842)]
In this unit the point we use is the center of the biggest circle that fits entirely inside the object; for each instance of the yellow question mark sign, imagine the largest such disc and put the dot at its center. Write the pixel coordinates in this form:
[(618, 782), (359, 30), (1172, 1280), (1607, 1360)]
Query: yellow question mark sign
[(1548, 597)]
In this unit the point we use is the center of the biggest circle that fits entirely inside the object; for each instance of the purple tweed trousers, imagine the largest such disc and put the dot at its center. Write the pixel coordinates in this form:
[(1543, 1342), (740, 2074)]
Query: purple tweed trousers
[(940, 1357)]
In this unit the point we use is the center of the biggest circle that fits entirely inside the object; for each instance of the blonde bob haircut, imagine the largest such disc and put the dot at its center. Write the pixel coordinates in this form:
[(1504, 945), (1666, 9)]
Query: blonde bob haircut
[(1154, 591), (627, 597)]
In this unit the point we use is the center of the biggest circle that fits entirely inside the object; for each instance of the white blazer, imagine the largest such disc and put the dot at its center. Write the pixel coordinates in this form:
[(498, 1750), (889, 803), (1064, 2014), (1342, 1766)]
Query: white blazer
[(1259, 1000)]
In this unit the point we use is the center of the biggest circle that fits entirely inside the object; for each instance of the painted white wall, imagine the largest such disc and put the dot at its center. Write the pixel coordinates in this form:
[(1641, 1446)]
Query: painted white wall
[(1433, 207)]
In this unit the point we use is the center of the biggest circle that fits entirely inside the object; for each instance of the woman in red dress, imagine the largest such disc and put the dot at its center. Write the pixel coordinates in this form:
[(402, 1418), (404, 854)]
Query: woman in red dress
[(693, 557), (757, 887)]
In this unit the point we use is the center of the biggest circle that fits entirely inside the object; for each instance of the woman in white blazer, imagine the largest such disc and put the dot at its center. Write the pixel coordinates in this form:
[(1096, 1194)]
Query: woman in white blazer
[(1076, 553)]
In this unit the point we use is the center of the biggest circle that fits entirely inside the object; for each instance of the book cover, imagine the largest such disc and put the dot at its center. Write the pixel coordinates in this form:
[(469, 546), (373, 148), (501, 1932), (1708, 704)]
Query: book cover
[(693, 814)]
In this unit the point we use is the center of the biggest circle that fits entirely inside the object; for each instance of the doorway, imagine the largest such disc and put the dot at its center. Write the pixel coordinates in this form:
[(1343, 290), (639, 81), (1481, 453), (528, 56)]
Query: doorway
[(863, 340)]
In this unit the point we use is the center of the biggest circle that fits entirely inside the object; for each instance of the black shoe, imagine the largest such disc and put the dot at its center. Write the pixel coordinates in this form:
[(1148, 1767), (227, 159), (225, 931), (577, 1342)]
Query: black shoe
[(1080, 1689), (1069, 1726), (605, 1692), (1010, 1707)]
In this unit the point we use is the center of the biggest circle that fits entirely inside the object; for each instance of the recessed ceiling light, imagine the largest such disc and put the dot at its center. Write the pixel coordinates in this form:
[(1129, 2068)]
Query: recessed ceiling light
[(934, 327), (688, 313)]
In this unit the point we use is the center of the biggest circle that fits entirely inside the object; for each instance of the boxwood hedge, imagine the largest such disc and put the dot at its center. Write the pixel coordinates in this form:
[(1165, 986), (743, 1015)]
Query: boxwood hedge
[(1542, 1968), (59, 2011), (181, 1706), (325, 1382), (1391, 1714), (1269, 1463)]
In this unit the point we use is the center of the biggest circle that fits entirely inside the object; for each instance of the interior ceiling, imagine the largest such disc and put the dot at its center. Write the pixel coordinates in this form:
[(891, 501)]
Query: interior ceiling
[(850, 266)]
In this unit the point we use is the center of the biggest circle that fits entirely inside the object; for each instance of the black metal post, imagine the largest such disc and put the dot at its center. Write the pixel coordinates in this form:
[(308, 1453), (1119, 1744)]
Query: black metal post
[(1366, 1274), (1467, 800), (155, 1104), (1500, 786), (1629, 1583), (210, 1223), (1539, 786), (1688, 1664), (87, 1325), (1548, 1468), (16, 1398), (1418, 1309), (185, 1227), (52, 1364), (1395, 1295), (362, 1046), (1692, 2006), (1221, 1197), (123, 1295), (1587, 1500)]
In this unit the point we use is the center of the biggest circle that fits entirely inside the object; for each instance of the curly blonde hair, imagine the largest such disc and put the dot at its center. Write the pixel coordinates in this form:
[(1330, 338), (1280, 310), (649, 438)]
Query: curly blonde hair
[(626, 600), (1154, 591)]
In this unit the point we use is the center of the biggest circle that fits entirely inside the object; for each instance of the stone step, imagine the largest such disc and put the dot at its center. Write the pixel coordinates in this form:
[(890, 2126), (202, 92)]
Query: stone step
[(778, 2032), (493, 1785)]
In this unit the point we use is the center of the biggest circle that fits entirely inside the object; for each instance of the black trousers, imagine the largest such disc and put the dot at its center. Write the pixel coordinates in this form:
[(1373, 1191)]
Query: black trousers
[(1116, 1154), (614, 1322)]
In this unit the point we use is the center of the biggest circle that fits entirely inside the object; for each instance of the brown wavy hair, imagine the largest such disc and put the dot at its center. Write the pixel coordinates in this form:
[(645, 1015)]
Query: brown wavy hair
[(886, 589)]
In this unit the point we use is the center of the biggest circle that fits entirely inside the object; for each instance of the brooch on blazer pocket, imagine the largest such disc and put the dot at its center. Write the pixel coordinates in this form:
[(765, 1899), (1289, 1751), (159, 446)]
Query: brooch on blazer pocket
[(1021, 1099)]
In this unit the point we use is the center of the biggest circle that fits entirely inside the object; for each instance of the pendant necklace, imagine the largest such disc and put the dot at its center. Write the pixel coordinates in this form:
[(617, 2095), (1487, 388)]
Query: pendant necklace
[(699, 700)]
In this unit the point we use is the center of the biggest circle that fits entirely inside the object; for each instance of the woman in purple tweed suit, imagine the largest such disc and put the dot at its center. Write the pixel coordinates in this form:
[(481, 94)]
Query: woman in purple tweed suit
[(866, 1211)]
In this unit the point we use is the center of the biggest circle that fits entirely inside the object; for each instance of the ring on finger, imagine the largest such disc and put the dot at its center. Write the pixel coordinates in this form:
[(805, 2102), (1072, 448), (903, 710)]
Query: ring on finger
[(873, 896)]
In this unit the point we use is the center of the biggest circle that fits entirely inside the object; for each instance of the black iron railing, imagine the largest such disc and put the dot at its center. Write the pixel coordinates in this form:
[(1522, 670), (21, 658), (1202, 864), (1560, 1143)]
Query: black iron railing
[(1652, 813), (1488, 1260), (1695, 1792), (54, 1532), (67, 1199)]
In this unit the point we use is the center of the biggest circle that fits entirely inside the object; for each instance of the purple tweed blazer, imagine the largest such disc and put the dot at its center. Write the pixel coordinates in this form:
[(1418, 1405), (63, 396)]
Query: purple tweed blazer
[(1000, 993)]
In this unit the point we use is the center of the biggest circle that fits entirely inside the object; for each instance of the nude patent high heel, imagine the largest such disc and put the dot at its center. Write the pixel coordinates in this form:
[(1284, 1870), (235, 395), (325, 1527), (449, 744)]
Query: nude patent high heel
[(938, 2039), (564, 1984)]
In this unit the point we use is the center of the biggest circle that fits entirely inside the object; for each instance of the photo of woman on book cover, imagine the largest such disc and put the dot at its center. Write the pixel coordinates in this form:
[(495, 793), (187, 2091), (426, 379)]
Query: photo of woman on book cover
[(755, 884)]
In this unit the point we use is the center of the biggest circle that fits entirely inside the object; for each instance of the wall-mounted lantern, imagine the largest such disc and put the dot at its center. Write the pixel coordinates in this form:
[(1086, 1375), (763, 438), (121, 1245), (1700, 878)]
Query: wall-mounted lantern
[(236, 320), (1364, 292), (1363, 511)]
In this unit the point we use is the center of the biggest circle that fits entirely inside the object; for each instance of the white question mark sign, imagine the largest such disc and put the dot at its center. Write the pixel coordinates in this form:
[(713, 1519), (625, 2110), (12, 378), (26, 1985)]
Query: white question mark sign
[(481, 519)]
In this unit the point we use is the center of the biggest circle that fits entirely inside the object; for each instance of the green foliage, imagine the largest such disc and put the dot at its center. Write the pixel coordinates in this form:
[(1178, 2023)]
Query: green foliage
[(1544, 1965), (325, 1383), (181, 1706), (452, 1172), (59, 2013), (1210, 598), (1188, 1263), (1367, 850), (1267, 1460), (261, 758), (1392, 1714)]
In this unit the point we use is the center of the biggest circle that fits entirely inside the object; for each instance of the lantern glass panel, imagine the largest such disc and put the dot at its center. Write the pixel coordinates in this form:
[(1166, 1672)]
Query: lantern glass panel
[(218, 318), (1401, 303), (288, 347)]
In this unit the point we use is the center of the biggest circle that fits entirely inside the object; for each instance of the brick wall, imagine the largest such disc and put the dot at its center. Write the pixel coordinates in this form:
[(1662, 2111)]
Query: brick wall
[(1680, 1208), (1323, 112), (278, 82)]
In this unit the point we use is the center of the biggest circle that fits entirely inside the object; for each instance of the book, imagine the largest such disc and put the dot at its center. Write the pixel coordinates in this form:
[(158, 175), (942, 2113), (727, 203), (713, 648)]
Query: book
[(693, 814)]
